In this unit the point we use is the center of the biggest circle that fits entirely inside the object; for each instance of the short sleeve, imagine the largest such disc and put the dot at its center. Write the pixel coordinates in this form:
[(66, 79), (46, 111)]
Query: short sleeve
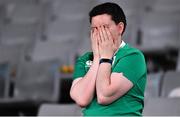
[(132, 66), (80, 69)]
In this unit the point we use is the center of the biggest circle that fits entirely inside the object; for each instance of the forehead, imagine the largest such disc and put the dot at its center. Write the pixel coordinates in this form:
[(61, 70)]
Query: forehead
[(103, 19)]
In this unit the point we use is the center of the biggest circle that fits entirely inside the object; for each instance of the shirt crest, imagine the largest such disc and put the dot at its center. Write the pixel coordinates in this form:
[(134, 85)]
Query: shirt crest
[(88, 63)]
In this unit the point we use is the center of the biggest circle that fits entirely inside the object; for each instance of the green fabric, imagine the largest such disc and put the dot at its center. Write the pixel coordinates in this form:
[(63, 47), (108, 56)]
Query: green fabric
[(81, 68), (131, 63)]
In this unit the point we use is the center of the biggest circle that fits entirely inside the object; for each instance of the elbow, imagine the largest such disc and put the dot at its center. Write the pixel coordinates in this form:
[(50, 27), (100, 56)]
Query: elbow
[(104, 97), (82, 102), (102, 100)]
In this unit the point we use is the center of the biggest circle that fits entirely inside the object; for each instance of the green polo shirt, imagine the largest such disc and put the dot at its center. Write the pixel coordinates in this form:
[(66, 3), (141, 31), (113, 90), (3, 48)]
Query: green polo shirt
[(131, 63)]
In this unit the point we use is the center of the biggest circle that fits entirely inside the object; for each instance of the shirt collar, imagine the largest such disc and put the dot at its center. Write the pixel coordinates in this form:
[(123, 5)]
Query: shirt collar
[(120, 46)]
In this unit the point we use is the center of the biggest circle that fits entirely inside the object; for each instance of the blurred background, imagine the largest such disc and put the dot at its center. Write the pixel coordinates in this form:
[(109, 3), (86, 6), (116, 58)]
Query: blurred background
[(41, 39)]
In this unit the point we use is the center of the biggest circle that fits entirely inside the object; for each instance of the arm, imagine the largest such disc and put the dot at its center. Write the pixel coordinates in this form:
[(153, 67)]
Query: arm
[(82, 89), (110, 86)]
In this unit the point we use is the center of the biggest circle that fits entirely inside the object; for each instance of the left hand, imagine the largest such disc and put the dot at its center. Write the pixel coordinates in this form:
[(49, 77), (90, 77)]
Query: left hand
[(106, 43)]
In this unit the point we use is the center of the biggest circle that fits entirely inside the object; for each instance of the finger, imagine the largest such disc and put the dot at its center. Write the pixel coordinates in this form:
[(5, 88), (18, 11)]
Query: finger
[(99, 41), (91, 37), (101, 34), (105, 33), (109, 34), (99, 38), (91, 33), (95, 35), (98, 35)]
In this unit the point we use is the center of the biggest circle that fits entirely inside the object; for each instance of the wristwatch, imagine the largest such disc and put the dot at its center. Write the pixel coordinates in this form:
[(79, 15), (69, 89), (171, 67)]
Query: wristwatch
[(105, 60)]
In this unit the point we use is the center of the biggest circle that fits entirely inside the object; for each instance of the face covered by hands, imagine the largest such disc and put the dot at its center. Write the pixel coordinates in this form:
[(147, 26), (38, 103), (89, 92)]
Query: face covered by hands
[(104, 45), (105, 36), (107, 43)]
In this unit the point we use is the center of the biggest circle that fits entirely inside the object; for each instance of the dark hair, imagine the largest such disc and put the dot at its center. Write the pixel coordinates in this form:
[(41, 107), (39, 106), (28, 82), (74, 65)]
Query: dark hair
[(112, 9)]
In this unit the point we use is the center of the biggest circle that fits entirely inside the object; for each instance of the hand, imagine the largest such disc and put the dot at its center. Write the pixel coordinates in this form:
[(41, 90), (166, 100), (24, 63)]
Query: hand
[(106, 43), (94, 43), (116, 41)]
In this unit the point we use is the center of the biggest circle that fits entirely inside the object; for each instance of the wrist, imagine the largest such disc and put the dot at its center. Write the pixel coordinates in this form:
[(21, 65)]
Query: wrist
[(105, 60), (96, 59), (106, 57)]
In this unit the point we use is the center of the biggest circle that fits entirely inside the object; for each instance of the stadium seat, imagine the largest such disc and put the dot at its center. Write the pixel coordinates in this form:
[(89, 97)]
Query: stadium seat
[(162, 107), (59, 110), (153, 85), (170, 81)]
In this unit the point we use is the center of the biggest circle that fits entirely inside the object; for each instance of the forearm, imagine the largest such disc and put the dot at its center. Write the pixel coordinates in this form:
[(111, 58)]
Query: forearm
[(110, 86), (103, 81), (83, 91)]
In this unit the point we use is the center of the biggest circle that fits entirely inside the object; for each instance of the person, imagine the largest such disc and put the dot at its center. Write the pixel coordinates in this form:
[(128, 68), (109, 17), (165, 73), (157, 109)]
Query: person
[(110, 80)]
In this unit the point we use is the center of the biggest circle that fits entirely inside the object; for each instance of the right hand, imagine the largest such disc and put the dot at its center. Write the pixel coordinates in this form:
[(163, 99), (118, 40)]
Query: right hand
[(94, 43)]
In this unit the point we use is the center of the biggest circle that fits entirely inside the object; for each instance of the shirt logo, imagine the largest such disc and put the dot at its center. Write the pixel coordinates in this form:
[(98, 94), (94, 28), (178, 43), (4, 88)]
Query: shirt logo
[(88, 63)]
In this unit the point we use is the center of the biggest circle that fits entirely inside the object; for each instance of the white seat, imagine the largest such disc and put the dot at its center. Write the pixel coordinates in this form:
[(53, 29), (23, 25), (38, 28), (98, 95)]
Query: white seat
[(174, 93)]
